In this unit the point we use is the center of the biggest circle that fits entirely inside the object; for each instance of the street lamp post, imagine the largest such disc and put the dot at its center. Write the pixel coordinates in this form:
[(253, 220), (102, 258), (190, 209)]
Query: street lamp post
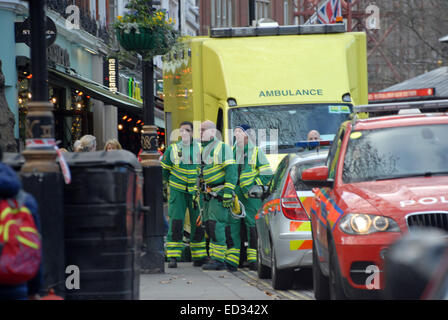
[(40, 174), (153, 231)]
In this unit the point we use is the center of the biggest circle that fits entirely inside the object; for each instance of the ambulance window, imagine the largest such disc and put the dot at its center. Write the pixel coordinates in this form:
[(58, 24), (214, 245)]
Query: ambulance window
[(219, 121)]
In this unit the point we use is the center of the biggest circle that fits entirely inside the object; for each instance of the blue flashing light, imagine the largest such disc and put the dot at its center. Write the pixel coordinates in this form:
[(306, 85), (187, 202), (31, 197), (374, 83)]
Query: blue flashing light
[(312, 144)]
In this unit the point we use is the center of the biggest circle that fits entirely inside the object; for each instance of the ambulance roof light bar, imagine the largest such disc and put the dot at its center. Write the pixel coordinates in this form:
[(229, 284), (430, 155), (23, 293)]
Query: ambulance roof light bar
[(381, 107), (277, 31)]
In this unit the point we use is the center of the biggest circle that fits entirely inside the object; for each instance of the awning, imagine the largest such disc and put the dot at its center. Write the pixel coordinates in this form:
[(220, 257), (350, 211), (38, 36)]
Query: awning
[(96, 91)]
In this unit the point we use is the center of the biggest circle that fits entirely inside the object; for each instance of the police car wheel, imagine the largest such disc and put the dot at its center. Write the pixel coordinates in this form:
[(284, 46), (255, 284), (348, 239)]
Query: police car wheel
[(335, 280), (321, 285)]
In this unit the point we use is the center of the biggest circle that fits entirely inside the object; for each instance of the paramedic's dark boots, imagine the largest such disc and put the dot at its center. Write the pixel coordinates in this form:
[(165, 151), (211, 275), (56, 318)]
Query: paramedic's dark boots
[(200, 263), (214, 265), (231, 268), (172, 263)]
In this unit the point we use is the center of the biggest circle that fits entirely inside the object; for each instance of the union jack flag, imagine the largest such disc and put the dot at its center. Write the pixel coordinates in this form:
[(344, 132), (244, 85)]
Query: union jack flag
[(329, 11)]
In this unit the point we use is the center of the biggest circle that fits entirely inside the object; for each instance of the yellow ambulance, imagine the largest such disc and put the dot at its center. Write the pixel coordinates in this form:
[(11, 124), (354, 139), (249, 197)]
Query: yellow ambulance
[(282, 81)]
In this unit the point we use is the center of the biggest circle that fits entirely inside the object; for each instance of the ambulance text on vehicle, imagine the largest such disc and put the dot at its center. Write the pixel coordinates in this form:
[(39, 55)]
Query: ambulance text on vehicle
[(282, 81)]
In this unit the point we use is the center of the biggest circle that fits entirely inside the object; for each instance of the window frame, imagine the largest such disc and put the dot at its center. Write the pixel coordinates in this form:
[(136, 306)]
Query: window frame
[(279, 176)]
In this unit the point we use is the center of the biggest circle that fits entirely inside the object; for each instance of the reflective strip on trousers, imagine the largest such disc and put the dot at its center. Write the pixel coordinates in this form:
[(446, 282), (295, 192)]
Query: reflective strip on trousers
[(173, 253), (251, 255), (174, 249), (233, 257), (217, 252), (198, 250)]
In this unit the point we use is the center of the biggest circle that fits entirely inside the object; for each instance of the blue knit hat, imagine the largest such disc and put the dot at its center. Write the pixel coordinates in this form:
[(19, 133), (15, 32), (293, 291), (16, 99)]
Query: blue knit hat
[(244, 127)]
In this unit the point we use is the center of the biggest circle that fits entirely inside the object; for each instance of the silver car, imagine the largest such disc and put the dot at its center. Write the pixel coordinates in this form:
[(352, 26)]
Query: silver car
[(283, 226)]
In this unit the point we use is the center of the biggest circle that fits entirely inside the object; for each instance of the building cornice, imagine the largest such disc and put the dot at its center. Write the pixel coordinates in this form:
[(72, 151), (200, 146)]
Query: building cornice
[(16, 6), (79, 36)]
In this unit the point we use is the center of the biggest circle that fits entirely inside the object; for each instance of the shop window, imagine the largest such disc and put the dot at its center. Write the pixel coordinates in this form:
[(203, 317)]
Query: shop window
[(72, 115), (24, 96), (129, 129)]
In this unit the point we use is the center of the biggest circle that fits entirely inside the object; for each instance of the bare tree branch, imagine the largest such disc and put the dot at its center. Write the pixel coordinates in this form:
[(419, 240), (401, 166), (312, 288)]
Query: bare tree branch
[(413, 46)]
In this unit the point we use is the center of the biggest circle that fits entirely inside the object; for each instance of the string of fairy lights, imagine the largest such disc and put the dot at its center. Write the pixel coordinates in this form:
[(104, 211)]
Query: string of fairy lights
[(79, 103), (132, 124), (137, 125)]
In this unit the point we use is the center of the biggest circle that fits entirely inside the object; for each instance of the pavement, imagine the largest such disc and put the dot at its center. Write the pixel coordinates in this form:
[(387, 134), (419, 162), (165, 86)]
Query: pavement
[(192, 283)]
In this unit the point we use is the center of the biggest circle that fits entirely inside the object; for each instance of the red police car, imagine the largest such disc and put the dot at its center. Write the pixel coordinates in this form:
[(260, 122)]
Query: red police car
[(383, 176)]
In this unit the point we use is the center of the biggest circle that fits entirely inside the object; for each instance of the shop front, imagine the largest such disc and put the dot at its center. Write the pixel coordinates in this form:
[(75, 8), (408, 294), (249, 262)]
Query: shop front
[(130, 124), (74, 103), (84, 86), (72, 112)]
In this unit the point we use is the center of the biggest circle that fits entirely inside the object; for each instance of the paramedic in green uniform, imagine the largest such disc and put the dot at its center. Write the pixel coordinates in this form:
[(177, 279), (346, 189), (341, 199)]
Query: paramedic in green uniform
[(180, 164), (219, 174), (253, 168)]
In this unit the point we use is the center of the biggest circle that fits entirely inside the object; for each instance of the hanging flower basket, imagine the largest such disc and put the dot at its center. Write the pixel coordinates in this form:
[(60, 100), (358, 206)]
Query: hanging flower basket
[(145, 31), (142, 40), (164, 42)]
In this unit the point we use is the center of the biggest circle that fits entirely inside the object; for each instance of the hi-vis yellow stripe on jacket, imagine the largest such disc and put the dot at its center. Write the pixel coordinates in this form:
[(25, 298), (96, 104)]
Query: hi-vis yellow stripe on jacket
[(21, 217), (180, 164), (255, 167), (219, 168)]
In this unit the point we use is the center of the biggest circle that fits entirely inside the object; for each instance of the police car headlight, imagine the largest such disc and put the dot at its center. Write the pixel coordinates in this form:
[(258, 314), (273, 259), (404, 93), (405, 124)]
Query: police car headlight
[(356, 223), (360, 223)]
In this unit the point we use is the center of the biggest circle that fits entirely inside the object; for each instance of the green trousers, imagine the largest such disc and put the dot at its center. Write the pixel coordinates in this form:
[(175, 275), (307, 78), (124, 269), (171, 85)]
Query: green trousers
[(234, 231), (178, 203), (215, 220)]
